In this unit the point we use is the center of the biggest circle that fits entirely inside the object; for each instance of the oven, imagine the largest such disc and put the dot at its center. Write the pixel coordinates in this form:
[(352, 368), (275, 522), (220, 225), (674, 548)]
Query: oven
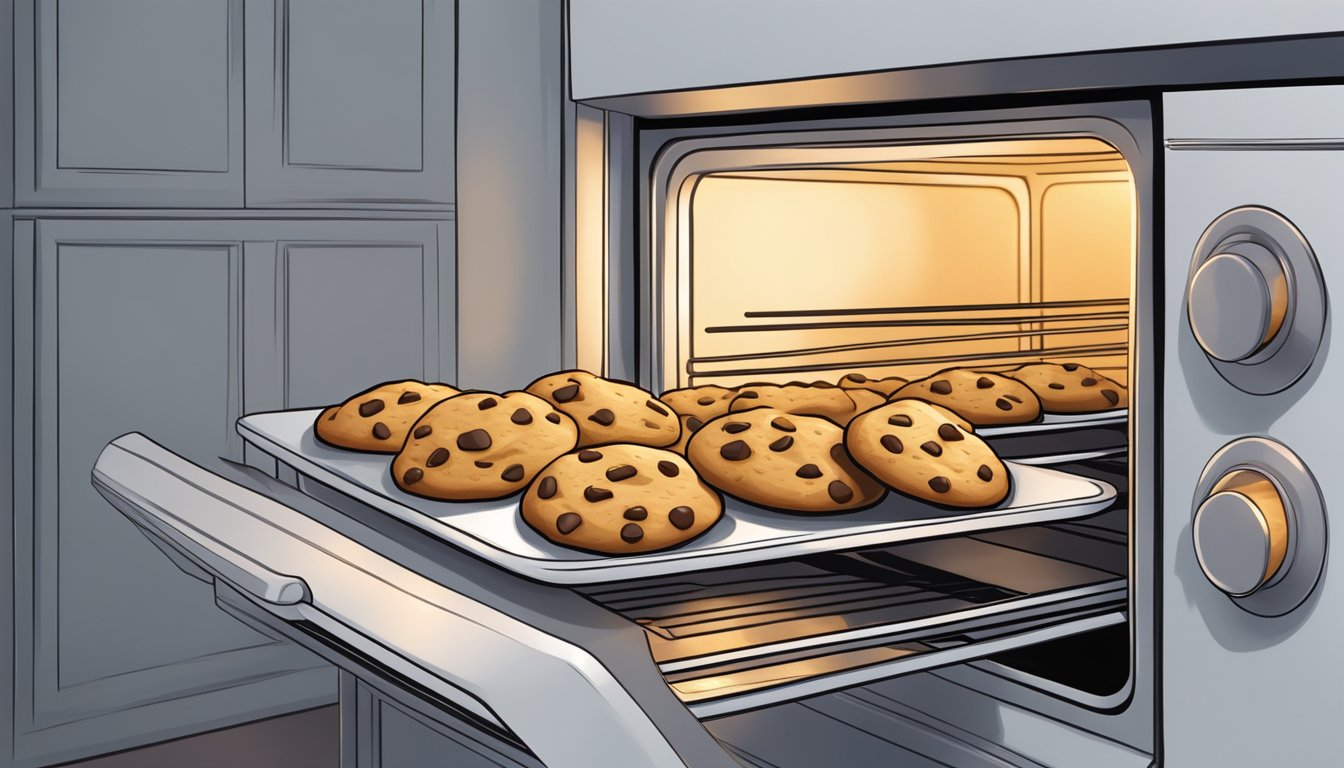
[(1178, 242)]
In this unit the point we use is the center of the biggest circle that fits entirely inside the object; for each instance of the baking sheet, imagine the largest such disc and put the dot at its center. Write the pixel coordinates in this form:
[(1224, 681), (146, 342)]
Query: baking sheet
[(1055, 422), (495, 531)]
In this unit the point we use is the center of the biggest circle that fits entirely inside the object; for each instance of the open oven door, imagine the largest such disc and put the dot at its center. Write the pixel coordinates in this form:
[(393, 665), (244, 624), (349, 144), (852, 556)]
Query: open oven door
[(282, 560)]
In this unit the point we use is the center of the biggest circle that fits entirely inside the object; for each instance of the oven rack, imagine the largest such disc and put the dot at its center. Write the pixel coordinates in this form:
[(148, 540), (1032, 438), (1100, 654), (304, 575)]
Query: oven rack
[(742, 638)]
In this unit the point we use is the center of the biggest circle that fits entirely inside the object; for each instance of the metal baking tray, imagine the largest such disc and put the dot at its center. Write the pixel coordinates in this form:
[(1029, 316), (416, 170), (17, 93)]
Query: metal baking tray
[(1057, 438), (495, 531)]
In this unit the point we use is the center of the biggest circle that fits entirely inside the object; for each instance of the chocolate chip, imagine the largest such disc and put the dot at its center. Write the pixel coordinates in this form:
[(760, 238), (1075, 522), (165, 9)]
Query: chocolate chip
[(656, 408), (782, 444), (567, 522), (413, 476), (566, 393), (487, 404), (475, 440), (941, 387), (984, 473), (839, 492), (900, 420), (892, 443), (857, 378), (370, 407), (636, 513), (1111, 396), (669, 469), (1056, 385), (681, 517), (808, 471), (940, 484), (408, 397), (932, 448), (546, 488), (694, 424), (381, 431), (594, 494), (1014, 398), (983, 383), (783, 424), (733, 427), (838, 453), (436, 458), (522, 416), (1003, 405), (735, 451), (588, 457), (623, 472), (554, 418), (422, 431), (1070, 367), (949, 432), (631, 533), (1087, 382), (749, 395), (705, 401), (513, 474), (603, 416), (484, 464)]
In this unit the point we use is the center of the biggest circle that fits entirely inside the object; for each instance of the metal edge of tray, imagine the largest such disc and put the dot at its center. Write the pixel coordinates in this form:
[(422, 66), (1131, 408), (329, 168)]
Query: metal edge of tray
[(1057, 422), (601, 570)]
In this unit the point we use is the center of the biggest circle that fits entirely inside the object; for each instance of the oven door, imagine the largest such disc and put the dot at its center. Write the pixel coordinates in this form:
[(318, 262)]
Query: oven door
[(375, 599)]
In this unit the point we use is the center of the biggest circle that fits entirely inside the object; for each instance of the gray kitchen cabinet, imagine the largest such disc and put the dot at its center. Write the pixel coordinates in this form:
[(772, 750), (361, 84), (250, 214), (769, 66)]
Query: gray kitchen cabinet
[(175, 328), (128, 102), (350, 103)]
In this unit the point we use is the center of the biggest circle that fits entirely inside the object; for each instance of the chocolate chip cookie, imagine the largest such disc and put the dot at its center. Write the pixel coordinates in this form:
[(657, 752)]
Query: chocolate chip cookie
[(1071, 388), (704, 402), (689, 426), (609, 411), (926, 451), (785, 461), (377, 419), (620, 500), (480, 445), (981, 398), (885, 386), (830, 402)]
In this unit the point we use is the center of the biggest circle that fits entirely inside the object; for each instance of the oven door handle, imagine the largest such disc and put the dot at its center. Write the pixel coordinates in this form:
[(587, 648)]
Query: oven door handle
[(151, 510)]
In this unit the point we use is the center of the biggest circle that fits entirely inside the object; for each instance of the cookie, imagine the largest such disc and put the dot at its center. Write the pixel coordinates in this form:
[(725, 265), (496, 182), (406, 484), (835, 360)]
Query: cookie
[(689, 426), (831, 402), (609, 411), (785, 461), (480, 445), (621, 500), (377, 419), (885, 387), (926, 451), (1071, 388), (705, 402), (981, 398)]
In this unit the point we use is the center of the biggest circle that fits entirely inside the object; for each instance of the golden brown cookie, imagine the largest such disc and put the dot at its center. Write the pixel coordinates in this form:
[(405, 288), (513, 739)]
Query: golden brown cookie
[(1071, 388), (885, 386), (784, 461), (704, 402), (927, 452), (689, 426), (378, 419), (981, 398), (609, 411), (620, 500), (830, 402), (480, 445)]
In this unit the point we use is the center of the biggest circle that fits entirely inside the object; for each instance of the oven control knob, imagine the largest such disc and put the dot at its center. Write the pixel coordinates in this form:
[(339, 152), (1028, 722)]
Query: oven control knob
[(1238, 302), (1242, 533)]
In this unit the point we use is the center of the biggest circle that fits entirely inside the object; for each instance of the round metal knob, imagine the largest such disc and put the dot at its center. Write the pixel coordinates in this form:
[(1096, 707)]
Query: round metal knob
[(1242, 533), (1237, 303)]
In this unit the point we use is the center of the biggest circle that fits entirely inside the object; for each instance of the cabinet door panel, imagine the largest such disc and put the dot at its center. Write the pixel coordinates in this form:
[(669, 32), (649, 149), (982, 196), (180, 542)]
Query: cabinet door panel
[(350, 103), (127, 326), (129, 102)]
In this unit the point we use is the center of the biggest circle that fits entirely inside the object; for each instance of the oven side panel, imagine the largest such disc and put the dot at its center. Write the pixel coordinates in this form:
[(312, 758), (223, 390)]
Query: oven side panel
[(1239, 688)]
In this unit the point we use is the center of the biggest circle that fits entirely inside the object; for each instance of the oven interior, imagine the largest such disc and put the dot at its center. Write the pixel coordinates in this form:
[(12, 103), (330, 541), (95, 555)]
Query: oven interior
[(812, 261)]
